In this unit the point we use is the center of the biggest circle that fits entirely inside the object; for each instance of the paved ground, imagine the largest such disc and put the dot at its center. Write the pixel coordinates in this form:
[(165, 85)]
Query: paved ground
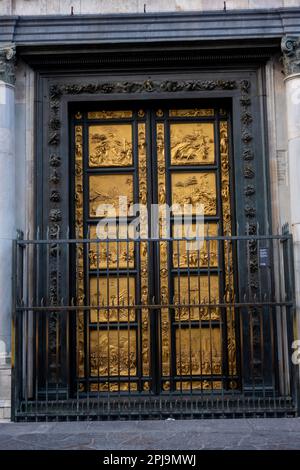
[(275, 434)]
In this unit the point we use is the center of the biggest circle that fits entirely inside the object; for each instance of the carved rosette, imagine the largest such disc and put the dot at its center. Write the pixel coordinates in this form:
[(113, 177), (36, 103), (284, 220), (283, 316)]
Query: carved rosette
[(290, 46), (7, 63)]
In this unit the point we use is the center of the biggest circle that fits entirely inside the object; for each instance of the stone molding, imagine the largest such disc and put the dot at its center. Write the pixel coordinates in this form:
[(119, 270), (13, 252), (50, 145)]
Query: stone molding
[(260, 25)]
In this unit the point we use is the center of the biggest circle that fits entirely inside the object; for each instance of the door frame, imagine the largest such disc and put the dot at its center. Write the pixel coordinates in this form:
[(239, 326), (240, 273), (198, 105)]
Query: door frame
[(58, 93)]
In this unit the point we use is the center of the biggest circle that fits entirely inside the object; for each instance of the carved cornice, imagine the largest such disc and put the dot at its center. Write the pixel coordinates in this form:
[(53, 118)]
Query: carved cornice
[(290, 46), (7, 63)]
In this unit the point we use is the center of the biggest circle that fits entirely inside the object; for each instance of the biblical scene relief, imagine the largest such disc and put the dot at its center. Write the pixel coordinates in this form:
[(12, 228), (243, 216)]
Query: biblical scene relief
[(117, 294), (196, 290), (110, 254), (184, 254), (110, 145), (107, 189), (198, 351), (195, 188), (192, 144), (113, 353)]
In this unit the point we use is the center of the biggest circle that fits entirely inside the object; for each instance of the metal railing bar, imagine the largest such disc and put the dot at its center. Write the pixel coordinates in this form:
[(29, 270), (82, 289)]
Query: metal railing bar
[(153, 306), (282, 238)]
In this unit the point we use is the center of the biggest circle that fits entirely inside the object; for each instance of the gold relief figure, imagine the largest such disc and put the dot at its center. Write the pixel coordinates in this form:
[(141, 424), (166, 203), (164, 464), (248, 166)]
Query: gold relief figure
[(78, 169), (115, 292), (146, 386), (224, 139), (192, 143), (195, 188), (162, 194), (110, 145), (113, 353), (107, 189), (196, 112), (196, 290)]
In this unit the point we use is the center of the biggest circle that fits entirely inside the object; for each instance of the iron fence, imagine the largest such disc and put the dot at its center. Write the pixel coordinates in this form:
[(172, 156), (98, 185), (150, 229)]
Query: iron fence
[(92, 341)]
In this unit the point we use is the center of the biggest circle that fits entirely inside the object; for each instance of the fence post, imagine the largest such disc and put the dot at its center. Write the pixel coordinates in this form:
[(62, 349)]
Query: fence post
[(292, 324), (16, 336)]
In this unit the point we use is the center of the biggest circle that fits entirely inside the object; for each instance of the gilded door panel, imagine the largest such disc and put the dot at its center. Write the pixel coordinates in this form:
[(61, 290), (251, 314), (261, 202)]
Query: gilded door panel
[(117, 293), (189, 290), (201, 277), (108, 189), (110, 254), (113, 353), (195, 188), (192, 144), (110, 145), (198, 351), (184, 254)]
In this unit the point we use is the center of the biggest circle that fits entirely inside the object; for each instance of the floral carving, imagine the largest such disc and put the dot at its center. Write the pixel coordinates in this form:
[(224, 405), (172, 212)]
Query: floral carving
[(55, 215)]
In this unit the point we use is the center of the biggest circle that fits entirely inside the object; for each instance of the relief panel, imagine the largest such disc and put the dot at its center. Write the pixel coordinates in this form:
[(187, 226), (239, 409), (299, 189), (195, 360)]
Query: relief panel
[(183, 254), (195, 188), (113, 353), (198, 351), (196, 290), (107, 189), (113, 292), (110, 145), (110, 254), (192, 144)]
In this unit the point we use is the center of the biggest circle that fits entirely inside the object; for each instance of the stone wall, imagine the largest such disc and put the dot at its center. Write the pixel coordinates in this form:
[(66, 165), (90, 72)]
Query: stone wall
[(64, 7)]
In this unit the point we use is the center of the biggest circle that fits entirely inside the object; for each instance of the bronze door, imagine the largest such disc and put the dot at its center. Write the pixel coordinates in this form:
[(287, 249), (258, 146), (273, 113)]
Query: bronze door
[(153, 317)]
